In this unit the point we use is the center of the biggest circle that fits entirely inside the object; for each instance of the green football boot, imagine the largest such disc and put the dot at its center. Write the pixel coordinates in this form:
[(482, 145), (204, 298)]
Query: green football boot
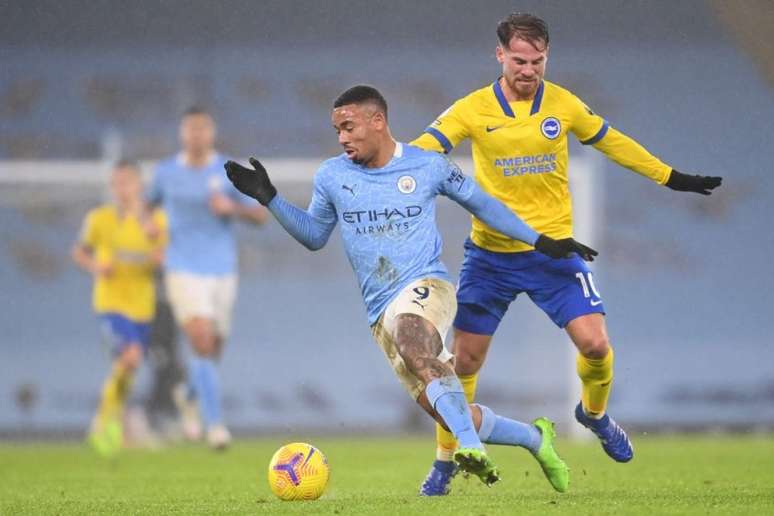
[(476, 462), (556, 471), (108, 440)]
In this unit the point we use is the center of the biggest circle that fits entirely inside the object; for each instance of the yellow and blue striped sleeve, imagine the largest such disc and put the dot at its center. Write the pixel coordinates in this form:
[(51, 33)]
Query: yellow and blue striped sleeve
[(589, 127), (592, 129), (448, 130)]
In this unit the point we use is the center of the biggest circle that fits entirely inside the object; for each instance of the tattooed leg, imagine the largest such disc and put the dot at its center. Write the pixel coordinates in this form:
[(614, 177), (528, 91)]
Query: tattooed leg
[(419, 344)]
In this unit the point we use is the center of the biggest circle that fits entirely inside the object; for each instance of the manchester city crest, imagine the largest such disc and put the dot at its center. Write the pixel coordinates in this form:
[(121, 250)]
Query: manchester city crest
[(407, 184)]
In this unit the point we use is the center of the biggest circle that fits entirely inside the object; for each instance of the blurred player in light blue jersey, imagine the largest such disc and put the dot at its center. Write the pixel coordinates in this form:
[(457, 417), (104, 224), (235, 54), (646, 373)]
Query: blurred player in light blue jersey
[(383, 195), (201, 262)]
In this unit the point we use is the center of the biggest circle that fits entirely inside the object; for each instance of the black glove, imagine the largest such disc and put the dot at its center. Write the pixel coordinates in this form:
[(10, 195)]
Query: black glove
[(254, 183), (699, 184), (564, 248)]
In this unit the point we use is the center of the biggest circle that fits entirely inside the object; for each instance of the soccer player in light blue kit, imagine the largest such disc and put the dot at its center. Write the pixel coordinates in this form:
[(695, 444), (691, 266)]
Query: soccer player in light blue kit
[(383, 194), (201, 263)]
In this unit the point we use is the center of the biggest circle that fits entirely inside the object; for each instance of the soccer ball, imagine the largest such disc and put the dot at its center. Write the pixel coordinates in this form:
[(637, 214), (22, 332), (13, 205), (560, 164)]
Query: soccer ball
[(298, 471)]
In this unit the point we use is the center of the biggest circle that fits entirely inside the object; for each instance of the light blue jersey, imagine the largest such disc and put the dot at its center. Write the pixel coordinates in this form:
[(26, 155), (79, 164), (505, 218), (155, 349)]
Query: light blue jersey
[(387, 218), (200, 242)]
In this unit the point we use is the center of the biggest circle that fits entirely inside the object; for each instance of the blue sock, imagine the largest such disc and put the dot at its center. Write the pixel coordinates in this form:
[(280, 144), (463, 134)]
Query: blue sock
[(447, 397), (205, 381), (501, 430)]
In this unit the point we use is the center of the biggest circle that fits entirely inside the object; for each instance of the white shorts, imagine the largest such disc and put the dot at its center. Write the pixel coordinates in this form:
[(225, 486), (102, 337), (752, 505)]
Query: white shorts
[(197, 295), (430, 298)]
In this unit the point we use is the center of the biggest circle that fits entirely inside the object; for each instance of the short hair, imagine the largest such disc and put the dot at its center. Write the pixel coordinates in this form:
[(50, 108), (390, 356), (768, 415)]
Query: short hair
[(362, 94), (126, 163), (524, 26), (196, 110)]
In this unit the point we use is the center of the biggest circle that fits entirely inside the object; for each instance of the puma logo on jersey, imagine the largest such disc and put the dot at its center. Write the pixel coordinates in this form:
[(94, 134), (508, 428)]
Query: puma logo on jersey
[(350, 189)]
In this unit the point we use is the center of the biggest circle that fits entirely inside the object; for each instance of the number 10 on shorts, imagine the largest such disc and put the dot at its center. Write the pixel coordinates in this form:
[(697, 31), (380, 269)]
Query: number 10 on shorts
[(587, 284)]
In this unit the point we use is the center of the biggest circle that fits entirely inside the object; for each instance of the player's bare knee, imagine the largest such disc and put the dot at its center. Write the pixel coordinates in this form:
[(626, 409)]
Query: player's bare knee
[(426, 368), (470, 352), (200, 334), (203, 345), (131, 357), (204, 348), (467, 363), (596, 347)]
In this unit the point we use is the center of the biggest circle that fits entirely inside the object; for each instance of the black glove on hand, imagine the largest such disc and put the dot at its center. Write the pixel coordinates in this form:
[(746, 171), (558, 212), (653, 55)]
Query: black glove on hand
[(563, 248), (254, 183), (699, 184)]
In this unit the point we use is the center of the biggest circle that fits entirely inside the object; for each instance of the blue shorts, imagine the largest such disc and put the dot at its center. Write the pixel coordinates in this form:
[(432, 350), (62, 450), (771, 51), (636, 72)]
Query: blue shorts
[(564, 289), (120, 332)]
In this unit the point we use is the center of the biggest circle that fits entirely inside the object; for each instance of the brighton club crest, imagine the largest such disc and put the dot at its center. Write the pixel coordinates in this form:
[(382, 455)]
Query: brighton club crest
[(551, 128)]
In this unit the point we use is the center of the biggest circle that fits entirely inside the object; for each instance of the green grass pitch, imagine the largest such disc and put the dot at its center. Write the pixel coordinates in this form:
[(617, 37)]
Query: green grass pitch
[(380, 476)]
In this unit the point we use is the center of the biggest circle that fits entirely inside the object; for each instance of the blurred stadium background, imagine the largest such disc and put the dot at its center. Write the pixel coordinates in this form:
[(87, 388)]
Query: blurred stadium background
[(687, 280)]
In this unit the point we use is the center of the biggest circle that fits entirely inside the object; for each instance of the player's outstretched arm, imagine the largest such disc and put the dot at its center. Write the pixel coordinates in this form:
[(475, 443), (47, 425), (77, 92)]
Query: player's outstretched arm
[(625, 151), (499, 217), (310, 231), (696, 183)]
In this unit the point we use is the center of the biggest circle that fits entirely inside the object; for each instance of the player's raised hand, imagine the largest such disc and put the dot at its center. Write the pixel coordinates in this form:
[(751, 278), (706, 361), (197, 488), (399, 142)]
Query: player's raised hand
[(254, 183), (687, 183), (563, 248)]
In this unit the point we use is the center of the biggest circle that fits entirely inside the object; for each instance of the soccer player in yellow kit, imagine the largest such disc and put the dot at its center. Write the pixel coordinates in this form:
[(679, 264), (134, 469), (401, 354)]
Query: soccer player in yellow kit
[(518, 127), (121, 245)]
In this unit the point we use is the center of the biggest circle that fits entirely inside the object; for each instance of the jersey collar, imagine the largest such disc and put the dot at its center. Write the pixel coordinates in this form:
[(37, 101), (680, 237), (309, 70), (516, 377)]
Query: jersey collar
[(397, 153), (507, 111)]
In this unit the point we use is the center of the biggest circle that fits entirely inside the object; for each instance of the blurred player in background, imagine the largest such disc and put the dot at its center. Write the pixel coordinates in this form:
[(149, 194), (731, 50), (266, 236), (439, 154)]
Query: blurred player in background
[(121, 245), (384, 194), (518, 127), (167, 366), (201, 262)]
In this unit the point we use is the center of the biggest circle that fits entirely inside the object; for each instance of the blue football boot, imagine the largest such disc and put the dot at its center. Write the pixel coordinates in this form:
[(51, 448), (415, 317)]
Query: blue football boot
[(614, 440), (439, 479)]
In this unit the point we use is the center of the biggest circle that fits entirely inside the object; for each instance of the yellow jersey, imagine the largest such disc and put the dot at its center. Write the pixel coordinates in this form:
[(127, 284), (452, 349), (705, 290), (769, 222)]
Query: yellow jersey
[(122, 243), (520, 154)]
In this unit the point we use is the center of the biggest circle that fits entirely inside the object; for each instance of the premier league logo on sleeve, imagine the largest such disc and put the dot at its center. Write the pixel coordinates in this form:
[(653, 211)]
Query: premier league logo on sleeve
[(550, 127)]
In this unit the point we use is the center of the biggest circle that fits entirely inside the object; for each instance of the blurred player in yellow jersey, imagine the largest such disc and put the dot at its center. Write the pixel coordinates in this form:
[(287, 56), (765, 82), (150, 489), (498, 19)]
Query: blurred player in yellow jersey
[(121, 245), (518, 127)]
